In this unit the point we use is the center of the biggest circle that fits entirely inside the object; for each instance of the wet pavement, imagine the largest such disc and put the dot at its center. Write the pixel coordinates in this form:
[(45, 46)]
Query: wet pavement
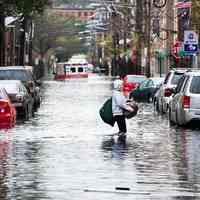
[(66, 152)]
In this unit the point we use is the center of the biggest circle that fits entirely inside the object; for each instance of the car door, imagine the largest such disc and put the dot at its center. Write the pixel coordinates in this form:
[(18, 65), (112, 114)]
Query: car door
[(177, 99), (28, 99)]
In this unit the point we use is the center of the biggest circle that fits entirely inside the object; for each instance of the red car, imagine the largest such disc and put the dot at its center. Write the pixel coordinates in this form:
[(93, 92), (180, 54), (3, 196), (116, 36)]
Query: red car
[(7, 111), (131, 82)]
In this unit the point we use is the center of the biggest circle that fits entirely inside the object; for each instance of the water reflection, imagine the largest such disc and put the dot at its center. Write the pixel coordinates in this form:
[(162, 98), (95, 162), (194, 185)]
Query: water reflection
[(27, 171), (117, 148), (65, 149), (5, 149)]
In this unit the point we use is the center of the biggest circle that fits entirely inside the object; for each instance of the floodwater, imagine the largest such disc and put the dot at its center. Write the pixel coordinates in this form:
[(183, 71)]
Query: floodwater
[(66, 152)]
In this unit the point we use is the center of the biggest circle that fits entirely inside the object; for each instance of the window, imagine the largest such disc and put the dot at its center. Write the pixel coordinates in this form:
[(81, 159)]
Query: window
[(176, 78), (144, 84), (179, 84), (73, 69), (80, 69), (135, 79), (195, 85), (150, 83), (22, 75)]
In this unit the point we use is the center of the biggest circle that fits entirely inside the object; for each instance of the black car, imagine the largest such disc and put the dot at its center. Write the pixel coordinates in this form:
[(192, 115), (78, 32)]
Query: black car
[(25, 75), (19, 97), (146, 90)]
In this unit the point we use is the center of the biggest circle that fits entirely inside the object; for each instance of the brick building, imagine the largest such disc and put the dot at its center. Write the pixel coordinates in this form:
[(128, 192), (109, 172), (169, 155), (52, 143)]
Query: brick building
[(82, 14)]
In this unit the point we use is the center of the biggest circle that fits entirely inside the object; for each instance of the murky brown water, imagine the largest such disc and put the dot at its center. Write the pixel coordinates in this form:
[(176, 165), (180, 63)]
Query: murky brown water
[(66, 151)]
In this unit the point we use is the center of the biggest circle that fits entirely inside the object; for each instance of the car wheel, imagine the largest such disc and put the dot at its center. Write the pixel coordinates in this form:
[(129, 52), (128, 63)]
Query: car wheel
[(170, 118), (150, 98), (157, 106), (177, 120)]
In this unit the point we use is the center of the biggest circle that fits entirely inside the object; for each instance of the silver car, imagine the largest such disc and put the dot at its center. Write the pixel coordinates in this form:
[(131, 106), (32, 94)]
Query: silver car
[(185, 104), (164, 94), (19, 96)]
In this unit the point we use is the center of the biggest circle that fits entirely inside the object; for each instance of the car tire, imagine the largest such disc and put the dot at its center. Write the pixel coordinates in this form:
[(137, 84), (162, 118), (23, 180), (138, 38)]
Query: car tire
[(157, 106), (170, 118), (177, 121), (150, 98)]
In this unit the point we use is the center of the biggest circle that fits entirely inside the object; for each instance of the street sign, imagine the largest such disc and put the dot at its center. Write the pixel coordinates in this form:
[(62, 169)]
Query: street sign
[(191, 48), (184, 4), (190, 37), (190, 42)]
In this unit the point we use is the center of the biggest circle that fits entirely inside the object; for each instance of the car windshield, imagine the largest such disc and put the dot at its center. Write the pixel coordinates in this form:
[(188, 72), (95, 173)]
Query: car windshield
[(15, 75), (176, 78), (135, 79), (195, 85), (157, 81)]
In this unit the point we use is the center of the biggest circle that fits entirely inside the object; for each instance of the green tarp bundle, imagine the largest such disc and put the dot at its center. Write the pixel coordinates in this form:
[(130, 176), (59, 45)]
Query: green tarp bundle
[(106, 112)]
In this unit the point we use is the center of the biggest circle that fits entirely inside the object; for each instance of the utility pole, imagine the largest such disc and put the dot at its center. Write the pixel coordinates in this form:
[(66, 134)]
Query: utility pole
[(139, 32), (170, 30), (2, 35), (148, 62)]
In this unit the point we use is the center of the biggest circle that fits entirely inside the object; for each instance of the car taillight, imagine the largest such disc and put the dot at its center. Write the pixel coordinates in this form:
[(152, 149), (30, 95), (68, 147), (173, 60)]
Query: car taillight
[(167, 92), (4, 107), (186, 101)]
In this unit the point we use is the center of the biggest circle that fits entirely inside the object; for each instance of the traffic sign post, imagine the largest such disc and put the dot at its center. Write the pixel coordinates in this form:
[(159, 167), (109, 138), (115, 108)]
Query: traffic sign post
[(190, 42)]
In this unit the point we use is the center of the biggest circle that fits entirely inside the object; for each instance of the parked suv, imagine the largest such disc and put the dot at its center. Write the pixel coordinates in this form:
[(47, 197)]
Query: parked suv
[(164, 94), (184, 106), (25, 75)]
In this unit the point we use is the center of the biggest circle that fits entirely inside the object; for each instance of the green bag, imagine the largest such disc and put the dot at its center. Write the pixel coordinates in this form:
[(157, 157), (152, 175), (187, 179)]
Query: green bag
[(106, 112)]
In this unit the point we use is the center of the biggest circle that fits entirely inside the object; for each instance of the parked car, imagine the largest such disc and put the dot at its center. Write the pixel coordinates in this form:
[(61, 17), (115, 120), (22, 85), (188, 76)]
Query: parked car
[(19, 97), (164, 94), (7, 110), (185, 104), (131, 82), (146, 90), (24, 74)]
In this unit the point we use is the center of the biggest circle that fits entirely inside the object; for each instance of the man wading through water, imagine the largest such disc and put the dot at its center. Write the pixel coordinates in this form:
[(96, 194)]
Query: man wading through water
[(119, 104)]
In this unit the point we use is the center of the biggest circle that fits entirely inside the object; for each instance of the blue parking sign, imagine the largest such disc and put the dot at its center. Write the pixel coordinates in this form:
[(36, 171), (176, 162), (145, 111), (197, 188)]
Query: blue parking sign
[(191, 48)]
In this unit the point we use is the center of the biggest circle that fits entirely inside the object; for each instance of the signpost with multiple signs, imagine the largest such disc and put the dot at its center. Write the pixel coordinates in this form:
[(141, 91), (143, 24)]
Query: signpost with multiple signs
[(190, 42)]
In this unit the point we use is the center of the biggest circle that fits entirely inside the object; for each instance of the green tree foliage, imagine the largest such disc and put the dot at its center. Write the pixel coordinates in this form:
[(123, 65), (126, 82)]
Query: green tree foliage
[(55, 32), (24, 8), (196, 15)]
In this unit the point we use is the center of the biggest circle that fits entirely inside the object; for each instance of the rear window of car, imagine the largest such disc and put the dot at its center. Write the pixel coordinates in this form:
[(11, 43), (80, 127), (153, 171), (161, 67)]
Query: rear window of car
[(176, 78), (135, 79), (22, 75), (10, 88), (195, 85)]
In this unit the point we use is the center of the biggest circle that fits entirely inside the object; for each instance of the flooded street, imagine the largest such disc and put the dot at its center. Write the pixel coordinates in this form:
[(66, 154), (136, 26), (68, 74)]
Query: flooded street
[(66, 151)]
